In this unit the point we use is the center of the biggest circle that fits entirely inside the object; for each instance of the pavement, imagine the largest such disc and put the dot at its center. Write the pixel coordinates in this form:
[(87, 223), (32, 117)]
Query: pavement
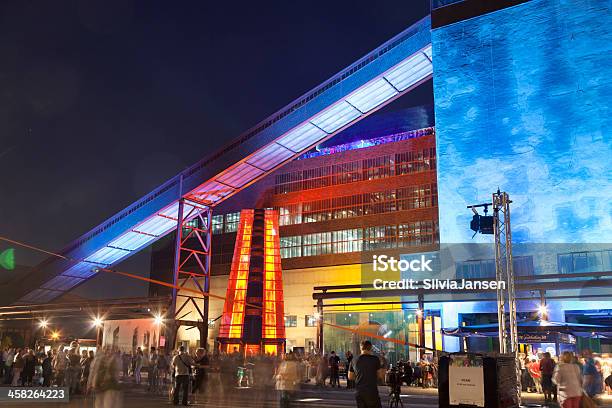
[(134, 396)]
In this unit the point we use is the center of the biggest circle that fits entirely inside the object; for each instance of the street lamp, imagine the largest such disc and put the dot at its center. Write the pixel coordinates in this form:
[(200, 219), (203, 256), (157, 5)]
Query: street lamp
[(543, 311), (97, 321), (159, 320)]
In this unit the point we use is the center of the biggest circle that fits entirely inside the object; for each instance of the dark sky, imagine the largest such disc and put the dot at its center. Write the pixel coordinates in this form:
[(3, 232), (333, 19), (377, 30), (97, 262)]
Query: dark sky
[(101, 101)]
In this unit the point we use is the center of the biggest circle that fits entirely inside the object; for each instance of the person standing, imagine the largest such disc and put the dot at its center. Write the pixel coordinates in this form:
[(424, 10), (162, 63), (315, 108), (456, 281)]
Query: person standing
[(366, 371), (287, 379), (349, 360), (202, 362), (8, 365), (592, 377), (138, 360), (73, 371), (18, 365), (334, 369), (153, 373), (547, 367), (181, 363), (566, 376), (536, 375), (47, 369), (59, 365), (29, 367)]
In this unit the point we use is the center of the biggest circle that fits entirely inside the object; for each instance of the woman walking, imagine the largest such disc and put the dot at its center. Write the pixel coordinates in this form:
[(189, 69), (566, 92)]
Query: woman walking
[(287, 379), (569, 381)]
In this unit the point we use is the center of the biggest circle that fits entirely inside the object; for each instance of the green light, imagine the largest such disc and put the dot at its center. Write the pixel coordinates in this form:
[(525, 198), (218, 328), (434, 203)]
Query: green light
[(7, 259)]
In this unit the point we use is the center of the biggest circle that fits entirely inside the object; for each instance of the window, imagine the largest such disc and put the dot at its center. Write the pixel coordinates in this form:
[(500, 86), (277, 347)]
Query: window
[(485, 268), (291, 247), (310, 321), (415, 161), (319, 243), (588, 261), (217, 224), (231, 222), (347, 241), (380, 237), (290, 214), (290, 321), (417, 233), (378, 167)]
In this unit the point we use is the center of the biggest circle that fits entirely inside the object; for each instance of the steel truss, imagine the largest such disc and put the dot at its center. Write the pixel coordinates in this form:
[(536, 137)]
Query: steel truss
[(191, 265), (504, 271)]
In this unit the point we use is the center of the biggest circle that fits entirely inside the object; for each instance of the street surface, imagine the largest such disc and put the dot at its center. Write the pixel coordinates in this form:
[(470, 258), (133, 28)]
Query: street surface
[(310, 396)]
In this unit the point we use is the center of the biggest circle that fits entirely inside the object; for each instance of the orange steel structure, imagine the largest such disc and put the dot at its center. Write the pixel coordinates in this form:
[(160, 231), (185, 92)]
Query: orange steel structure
[(253, 313)]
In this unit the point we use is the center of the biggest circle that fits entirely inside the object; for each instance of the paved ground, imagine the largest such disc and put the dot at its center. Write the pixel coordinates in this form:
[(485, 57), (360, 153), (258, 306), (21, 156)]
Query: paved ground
[(309, 396)]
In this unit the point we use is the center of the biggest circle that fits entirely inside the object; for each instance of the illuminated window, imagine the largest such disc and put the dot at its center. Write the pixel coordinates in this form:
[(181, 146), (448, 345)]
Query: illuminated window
[(217, 224), (231, 222), (291, 247), (381, 237), (418, 233), (310, 321), (290, 321), (347, 241), (319, 243)]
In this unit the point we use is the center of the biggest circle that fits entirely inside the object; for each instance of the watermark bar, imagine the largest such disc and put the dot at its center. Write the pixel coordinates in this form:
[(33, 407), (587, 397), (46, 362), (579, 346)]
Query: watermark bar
[(33, 394)]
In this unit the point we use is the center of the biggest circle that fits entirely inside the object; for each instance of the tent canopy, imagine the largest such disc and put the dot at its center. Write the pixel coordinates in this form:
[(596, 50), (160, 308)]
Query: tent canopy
[(529, 326)]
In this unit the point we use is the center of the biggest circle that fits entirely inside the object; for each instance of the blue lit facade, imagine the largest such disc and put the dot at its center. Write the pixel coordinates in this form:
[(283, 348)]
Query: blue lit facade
[(522, 101)]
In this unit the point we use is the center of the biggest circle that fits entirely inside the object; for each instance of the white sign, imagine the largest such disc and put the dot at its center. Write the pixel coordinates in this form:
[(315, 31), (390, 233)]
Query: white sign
[(465, 383)]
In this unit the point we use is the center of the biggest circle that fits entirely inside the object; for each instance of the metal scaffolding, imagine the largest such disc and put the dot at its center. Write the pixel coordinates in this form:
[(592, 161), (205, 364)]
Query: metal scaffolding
[(504, 271), (191, 265)]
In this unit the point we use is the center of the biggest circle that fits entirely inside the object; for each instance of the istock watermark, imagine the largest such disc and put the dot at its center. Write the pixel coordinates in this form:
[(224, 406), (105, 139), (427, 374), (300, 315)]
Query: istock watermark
[(414, 267), (384, 263)]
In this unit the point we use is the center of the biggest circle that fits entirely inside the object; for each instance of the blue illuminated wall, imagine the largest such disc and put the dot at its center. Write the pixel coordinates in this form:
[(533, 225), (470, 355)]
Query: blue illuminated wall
[(522, 101)]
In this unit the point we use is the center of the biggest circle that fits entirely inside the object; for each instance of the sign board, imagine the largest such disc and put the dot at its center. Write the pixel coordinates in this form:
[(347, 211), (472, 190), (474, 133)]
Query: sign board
[(466, 381), (528, 338)]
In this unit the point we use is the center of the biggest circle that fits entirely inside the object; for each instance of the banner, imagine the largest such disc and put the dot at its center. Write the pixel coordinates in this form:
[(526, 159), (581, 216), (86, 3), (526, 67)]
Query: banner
[(466, 381)]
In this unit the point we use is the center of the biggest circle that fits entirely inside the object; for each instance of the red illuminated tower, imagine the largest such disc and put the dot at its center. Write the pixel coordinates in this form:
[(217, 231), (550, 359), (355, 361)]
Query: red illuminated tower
[(253, 313)]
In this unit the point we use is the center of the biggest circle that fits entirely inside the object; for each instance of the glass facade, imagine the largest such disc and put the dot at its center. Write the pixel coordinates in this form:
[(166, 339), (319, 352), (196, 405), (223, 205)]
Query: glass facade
[(357, 205), (366, 169), (400, 325)]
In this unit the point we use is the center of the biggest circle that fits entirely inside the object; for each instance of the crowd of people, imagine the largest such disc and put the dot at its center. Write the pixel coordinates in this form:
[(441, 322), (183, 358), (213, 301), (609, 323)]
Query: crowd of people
[(186, 377), (62, 367), (566, 379)]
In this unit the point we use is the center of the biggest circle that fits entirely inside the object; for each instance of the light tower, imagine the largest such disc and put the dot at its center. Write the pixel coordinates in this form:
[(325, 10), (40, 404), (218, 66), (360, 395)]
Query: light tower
[(253, 313)]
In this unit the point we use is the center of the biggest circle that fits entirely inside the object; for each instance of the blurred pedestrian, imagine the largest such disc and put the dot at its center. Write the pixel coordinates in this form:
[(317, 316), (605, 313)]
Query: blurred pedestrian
[(181, 363), (566, 376), (287, 379), (592, 377), (47, 369), (104, 380), (138, 361), (18, 365), (547, 367), (366, 371), (334, 369)]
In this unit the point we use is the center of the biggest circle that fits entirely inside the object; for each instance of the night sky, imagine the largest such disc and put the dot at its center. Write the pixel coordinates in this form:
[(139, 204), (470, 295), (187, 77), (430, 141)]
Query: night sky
[(101, 101)]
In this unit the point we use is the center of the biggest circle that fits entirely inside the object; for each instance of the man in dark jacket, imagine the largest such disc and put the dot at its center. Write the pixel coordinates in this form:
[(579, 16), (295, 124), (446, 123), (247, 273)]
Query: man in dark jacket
[(47, 369), (366, 371)]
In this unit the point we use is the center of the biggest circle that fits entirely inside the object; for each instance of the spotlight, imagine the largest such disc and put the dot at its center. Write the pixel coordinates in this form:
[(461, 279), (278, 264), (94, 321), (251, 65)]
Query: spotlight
[(43, 324), (97, 321), (55, 335), (542, 311), (158, 320)]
